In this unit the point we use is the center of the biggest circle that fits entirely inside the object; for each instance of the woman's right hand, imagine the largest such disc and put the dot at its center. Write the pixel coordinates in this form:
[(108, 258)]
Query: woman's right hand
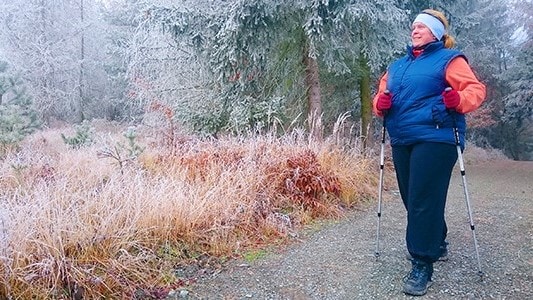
[(384, 102)]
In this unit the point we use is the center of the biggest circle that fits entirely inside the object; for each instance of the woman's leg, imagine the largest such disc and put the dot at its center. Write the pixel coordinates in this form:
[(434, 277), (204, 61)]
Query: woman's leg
[(401, 156), (430, 168)]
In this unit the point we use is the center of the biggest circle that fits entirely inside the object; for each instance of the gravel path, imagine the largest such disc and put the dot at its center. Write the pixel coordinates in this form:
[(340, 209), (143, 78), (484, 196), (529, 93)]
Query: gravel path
[(336, 261)]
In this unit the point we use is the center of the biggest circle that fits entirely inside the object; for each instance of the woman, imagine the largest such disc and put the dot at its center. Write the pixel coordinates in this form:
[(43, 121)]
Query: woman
[(420, 112)]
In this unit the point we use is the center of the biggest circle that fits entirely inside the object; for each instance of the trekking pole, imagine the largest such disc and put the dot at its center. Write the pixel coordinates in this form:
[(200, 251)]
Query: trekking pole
[(463, 175), (381, 167)]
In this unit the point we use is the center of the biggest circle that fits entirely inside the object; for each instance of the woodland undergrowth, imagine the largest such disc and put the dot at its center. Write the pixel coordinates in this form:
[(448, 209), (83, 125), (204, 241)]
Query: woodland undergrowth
[(99, 221)]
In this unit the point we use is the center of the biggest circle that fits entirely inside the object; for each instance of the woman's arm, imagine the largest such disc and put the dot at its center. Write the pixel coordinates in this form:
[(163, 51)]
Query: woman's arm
[(462, 79), (382, 87)]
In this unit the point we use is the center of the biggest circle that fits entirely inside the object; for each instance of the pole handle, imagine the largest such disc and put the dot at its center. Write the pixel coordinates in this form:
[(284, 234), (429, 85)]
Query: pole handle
[(386, 111), (446, 90)]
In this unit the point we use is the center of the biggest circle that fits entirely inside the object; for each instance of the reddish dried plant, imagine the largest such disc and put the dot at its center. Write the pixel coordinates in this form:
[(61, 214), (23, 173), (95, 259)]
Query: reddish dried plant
[(208, 161), (168, 114), (307, 183)]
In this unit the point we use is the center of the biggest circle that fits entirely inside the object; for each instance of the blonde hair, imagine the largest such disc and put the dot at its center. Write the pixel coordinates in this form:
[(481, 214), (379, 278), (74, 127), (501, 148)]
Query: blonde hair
[(449, 41)]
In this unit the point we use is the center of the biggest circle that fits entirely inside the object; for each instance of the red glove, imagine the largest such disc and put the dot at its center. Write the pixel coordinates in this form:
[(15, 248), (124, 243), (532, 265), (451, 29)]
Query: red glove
[(451, 99), (384, 102)]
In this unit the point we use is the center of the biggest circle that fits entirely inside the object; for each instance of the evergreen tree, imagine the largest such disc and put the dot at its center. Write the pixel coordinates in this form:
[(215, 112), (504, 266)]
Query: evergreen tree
[(268, 55), (17, 116)]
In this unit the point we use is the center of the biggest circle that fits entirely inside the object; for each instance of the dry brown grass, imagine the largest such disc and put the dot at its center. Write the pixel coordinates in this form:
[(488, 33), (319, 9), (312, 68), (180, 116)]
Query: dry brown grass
[(74, 225)]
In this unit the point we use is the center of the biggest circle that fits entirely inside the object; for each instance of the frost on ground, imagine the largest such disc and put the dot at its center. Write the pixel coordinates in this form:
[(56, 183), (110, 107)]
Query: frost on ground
[(337, 261)]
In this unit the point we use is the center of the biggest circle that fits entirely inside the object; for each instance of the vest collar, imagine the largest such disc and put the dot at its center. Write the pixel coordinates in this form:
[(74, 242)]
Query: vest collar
[(428, 48)]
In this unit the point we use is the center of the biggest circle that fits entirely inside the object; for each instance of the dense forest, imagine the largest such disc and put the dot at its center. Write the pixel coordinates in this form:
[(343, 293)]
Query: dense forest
[(240, 66)]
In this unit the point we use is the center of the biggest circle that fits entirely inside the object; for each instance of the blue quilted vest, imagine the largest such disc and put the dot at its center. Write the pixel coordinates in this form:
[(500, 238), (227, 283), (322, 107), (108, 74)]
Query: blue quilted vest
[(418, 113)]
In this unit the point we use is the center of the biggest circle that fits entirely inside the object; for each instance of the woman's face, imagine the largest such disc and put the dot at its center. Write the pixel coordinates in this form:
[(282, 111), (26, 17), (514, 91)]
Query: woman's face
[(421, 35)]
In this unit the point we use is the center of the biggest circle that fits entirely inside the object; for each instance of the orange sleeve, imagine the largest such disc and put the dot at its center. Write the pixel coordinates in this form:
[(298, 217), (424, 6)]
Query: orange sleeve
[(462, 79), (381, 89)]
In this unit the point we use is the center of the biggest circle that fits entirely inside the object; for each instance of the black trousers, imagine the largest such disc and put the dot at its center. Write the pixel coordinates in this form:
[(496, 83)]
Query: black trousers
[(423, 172)]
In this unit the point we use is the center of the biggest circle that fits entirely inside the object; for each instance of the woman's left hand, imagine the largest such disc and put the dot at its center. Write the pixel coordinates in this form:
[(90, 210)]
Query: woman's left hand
[(451, 99)]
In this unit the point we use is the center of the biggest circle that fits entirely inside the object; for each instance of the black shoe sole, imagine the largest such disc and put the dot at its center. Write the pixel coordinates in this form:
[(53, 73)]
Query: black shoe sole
[(413, 292)]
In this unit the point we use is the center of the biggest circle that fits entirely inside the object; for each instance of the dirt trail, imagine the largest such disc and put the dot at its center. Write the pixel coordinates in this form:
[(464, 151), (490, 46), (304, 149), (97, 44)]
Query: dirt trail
[(337, 261)]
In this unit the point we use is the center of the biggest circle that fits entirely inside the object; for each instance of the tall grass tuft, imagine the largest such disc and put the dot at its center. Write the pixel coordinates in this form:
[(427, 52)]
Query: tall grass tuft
[(73, 225)]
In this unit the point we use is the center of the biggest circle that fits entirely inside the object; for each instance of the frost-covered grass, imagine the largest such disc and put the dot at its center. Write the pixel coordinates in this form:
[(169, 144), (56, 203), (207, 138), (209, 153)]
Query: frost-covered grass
[(75, 223)]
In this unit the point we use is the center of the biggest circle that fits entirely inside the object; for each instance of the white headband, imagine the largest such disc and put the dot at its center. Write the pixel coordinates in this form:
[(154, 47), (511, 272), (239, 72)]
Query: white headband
[(434, 24)]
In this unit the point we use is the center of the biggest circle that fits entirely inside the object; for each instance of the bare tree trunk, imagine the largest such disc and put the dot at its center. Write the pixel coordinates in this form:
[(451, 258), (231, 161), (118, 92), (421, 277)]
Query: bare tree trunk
[(314, 101), (47, 73), (82, 58), (366, 102)]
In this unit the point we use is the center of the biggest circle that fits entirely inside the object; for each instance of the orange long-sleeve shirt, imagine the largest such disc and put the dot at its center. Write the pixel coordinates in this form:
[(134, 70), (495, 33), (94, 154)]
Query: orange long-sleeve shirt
[(461, 78)]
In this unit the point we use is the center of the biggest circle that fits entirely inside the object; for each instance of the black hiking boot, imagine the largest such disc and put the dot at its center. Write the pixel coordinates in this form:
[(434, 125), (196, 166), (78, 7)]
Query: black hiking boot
[(419, 279), (443, 256)]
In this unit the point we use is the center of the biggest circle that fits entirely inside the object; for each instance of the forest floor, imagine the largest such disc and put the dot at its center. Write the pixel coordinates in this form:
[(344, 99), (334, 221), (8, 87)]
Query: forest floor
[(335, 259)]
